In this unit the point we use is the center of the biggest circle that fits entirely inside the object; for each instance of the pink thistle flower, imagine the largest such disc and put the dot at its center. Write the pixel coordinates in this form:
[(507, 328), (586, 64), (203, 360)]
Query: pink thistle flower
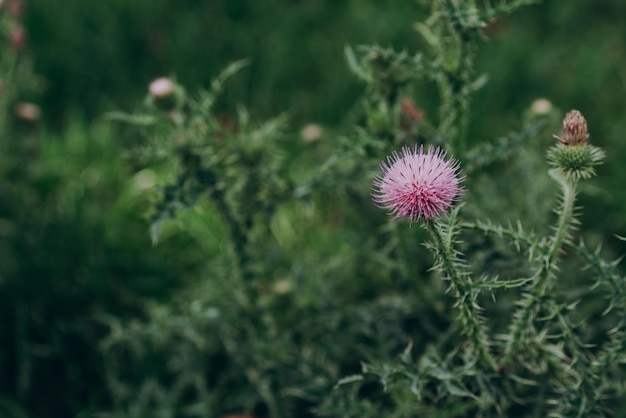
[(417, 185)]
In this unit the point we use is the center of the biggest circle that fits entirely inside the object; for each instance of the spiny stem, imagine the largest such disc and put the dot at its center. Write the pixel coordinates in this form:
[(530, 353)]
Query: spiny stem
[(469, 311), (611, 353), (566, 215), (587, 393), (532, 299)]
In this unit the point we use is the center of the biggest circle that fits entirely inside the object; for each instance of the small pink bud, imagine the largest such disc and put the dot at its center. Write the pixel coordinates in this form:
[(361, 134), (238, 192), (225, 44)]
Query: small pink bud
[(574, 129), (165, 95), (161, 88), (28, 112), (17, 37)]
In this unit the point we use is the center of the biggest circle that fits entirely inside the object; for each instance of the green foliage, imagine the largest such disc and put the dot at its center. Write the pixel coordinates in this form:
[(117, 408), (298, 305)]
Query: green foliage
[(272, 285), (72, 246), (99, 56)]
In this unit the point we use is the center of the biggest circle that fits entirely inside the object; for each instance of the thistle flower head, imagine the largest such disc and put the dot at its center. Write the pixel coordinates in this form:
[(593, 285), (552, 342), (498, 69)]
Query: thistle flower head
[(416, 184), (573, 156), (574, 129)]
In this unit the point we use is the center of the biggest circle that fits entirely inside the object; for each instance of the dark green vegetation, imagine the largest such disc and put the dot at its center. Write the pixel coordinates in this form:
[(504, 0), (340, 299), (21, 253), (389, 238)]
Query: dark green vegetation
[(97, 320)]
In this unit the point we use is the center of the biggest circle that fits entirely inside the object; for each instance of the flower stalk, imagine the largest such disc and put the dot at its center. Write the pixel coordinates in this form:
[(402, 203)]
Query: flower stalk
[(572, 159), (469, 312), (421, 186), (530, 304)]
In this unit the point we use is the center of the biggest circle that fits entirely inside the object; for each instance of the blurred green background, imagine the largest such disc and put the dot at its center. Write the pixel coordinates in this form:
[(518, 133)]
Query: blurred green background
[(73, 240)]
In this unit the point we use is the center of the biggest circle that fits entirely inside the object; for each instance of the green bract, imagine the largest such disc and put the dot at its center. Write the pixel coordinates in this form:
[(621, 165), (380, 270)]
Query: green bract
[(576, 162)]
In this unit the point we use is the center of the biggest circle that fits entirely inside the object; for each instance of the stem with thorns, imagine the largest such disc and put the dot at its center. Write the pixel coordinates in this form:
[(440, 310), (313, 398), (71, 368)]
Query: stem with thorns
[(530, 304), (469, 310)]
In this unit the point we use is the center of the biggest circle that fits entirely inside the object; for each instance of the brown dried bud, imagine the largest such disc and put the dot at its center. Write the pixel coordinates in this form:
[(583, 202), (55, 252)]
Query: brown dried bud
[(410, 114), (574, 129), (16, 8)]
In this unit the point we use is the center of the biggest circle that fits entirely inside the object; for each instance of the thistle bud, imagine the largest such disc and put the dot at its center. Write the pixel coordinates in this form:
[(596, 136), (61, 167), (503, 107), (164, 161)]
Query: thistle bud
[(311, 132), (574, 129), (161, 87), (28, 112), (17, 37), (541, 106), (573, 156), (410, 115), (165, 94)]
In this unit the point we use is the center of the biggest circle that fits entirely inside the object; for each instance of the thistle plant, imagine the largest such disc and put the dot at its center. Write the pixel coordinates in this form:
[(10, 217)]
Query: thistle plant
[(542, 363), (572, 160), (537, 358), (226, 165), (421, 187), (234, 163), (511, 341)]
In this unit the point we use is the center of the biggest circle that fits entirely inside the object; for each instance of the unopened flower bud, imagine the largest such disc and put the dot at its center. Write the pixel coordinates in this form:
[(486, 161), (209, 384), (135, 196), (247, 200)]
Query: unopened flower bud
[(574, 129), (541, 106), (311, 132), (28, 112), (410, 114), (282, 287), (573, 156), (164, 94), (17, 37), (161, 87)]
